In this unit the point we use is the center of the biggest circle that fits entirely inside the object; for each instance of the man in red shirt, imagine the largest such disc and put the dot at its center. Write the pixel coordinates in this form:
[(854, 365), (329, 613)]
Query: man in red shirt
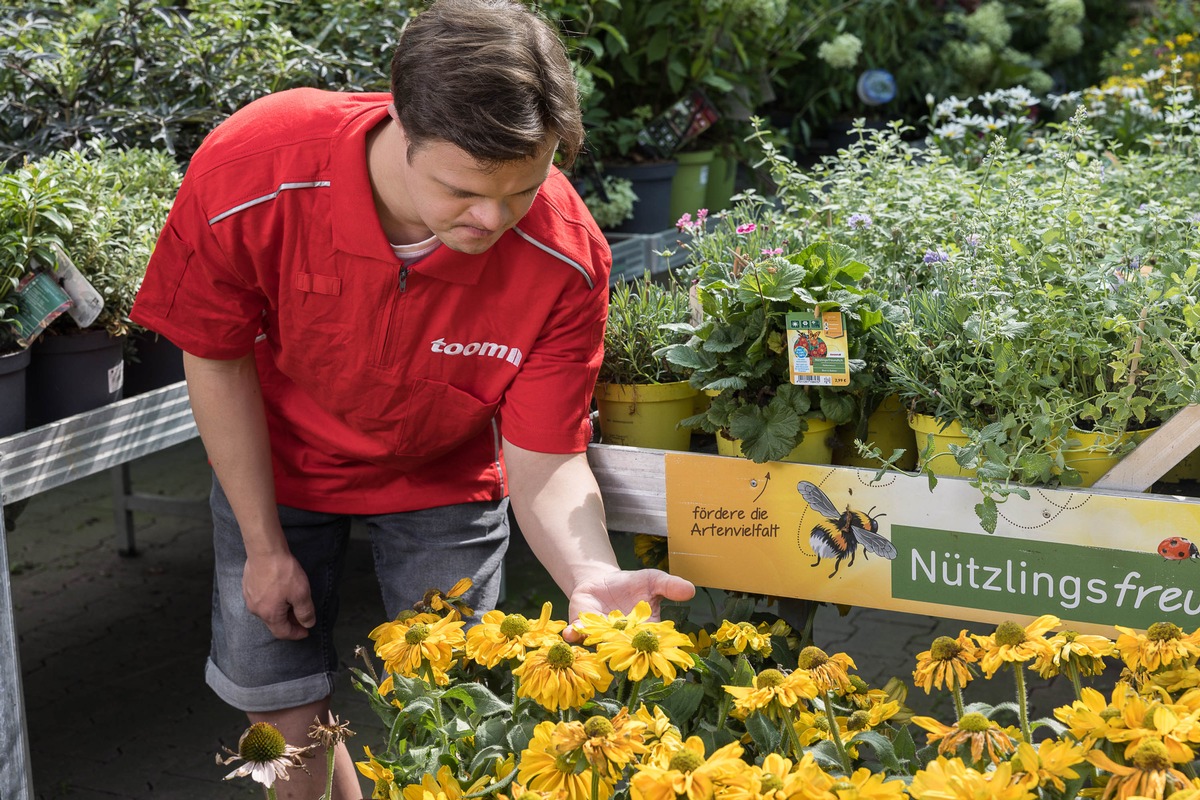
[(391, 307)]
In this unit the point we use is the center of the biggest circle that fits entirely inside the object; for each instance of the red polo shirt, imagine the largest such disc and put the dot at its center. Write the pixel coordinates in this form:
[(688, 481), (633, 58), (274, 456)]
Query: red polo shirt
[(387, 388)]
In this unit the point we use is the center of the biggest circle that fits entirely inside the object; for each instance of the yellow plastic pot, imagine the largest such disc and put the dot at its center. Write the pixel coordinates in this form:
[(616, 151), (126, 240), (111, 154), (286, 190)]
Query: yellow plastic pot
[(1096, 452), (645, 415), (816, 447), (941, 461), (887, 429)]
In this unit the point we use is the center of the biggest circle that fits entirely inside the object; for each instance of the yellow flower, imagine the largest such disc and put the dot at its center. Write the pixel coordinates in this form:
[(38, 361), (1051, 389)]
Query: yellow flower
[(561, 676), (443, 784), (691, 776), (948, 661), (1184, 39), (519, 791), (861, 695), (1049, 764), (1134, 52), (806, 782), (384, 779), (772, 691), (544, 770), (1149, 775), (865, 785), (1150, 719), (1012, 644), (1174, 680), (449, 604), (652, 551), (1091, 717), (1163, 645), (972, 729), (702, 642), (1084, 652), (503, 637), (653, 647), (607, 745), (661, 737), (424, 639), (735, 637), (950, 779), (828, 672), (597, 628)]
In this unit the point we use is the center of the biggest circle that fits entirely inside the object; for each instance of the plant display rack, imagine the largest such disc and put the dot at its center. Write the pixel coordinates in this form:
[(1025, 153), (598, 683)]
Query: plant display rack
[(632, 482), (635, 253)]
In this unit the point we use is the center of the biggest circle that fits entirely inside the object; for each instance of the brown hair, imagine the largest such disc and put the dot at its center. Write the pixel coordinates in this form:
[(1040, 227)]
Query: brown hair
[(488, 76)]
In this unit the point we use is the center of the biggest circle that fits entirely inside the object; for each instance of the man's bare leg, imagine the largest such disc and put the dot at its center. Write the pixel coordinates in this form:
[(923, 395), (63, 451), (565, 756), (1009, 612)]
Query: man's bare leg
[(294, 724)]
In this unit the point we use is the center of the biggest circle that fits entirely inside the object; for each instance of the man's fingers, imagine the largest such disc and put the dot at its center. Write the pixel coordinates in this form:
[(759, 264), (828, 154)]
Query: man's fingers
[(304, 612)]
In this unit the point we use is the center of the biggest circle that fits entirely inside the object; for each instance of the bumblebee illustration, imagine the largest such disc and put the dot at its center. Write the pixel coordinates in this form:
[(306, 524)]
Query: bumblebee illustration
[(841, 533)]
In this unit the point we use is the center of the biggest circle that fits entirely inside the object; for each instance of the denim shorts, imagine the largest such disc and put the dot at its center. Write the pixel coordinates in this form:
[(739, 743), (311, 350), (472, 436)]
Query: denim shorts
[(414, 551)]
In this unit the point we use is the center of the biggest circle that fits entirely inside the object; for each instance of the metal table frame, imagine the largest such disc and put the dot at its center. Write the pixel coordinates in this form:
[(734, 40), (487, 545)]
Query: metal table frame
[(51, 456)]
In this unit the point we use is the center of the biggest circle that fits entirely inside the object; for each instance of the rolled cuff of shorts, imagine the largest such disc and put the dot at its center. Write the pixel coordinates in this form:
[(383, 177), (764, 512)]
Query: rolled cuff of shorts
[(273, 697)]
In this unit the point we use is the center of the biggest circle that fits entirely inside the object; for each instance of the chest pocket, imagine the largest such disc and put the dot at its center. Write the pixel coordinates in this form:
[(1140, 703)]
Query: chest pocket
[(318, 284), (440, 417)]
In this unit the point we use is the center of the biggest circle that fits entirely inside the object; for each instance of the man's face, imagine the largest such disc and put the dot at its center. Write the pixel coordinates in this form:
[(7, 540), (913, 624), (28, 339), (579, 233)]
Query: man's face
[(466, 205)]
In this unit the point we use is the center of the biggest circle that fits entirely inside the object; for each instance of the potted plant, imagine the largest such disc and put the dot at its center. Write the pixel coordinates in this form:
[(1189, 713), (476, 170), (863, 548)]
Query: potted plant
[(641, 396), (749, 278)]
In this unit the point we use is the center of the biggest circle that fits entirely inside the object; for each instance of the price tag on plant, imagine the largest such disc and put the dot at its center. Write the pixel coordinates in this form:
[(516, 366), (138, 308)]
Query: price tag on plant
[(819, 349), (39, 300)]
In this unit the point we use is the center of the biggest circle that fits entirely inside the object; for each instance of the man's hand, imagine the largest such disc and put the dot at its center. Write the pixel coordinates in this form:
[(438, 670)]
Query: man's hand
[(622, 591), (276, 591)]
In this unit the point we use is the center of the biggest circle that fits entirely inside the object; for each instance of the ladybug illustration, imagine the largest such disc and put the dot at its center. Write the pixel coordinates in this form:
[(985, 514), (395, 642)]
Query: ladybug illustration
[(1177, 548)]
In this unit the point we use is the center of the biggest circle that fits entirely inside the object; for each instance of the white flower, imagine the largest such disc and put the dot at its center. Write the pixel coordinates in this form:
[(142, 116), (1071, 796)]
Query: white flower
[(951, 130), (1180, 116), (1153, 75), (267, 755)]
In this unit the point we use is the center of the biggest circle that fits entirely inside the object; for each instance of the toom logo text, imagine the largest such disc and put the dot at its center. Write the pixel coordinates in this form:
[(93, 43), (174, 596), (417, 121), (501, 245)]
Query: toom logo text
[(1090, 584)]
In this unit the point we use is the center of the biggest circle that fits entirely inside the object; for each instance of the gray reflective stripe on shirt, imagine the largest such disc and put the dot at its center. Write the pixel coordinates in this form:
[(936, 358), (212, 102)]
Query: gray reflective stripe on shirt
[(266, 197), (556, 254)]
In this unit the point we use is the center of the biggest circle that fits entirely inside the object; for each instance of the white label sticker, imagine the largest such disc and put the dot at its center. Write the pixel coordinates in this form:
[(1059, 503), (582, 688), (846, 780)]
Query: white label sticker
[(704, 175), (116, 378)]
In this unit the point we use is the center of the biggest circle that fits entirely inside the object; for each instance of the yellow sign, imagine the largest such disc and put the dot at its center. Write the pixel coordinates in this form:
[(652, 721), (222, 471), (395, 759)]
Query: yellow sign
[(830, 534)]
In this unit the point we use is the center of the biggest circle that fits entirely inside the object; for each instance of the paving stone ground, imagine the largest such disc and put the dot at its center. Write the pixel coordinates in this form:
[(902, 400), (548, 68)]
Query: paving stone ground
[(112, 648)]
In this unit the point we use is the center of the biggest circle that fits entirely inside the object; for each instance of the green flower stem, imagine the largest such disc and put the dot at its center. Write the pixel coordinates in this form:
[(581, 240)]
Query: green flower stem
[(633, 696), (789, 724), (436, 694), (1189, 769), (958, 700), (835, 734), (271, 793), (595, 783), (330, 752), (1073, 672), (1022, 700), (516, 697)]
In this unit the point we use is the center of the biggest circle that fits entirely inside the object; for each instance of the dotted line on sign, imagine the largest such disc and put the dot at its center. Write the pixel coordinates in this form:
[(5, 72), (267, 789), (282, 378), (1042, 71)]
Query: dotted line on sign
[(872, 484), (800, 524), (1047, 517)]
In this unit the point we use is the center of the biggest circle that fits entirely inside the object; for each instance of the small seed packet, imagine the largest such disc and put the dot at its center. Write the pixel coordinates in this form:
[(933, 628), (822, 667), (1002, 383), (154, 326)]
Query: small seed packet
[(819, 349)]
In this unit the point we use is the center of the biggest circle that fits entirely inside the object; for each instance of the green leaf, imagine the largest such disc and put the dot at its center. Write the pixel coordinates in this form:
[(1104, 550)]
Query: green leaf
[(884, 751), (904, 747), (767, 434), (988, 514), (684, 699), (765, 735), (479, 699)]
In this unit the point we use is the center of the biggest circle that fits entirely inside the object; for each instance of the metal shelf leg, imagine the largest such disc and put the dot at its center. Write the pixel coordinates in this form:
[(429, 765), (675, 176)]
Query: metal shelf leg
[(16, 775)]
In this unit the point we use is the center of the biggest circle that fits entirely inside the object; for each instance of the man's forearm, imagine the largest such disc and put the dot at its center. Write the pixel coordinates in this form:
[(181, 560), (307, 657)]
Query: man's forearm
[(227, 403), (558, 506)]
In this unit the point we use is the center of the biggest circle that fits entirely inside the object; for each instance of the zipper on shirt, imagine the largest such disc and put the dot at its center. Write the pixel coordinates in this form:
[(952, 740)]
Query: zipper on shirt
[(391, 318)]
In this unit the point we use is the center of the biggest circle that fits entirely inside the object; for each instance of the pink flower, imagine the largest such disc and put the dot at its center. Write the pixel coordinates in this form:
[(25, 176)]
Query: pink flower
[(684, 223), (778, 251), (702, 214), (747, 227)]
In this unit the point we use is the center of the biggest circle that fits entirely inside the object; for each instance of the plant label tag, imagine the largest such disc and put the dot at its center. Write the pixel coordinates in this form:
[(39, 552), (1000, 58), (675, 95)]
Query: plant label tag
[(116, 378), (86, 302), (39, 301), (819, 350)]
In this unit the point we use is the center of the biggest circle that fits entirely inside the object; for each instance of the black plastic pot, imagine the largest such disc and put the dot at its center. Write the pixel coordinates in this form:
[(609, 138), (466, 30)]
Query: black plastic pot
[(652, 185), (73, 373), (12, 392), (152, 362)]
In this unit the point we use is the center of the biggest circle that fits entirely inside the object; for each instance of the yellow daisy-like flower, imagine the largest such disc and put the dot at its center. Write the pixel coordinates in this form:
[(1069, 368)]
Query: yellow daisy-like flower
[(771, 693), (661, 737), (423, 639), (598, 628), (1149, 774), (1048, 765), (606, 745), (702, 642), (806, 782), (384, 779), (443, 784), (736, 637), (828, 672), (1150, 719), (948, 662), (519, 791), (861, 695), (865, 785), (501, 637), (1092, 718), (975, 730), (950, 779), (1084, 653), (652, 647), (1174, 680), (652, 551), (1013, 644), (1163, 645), (447, 604), (561, 676), (691, 776), (544, 770)]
